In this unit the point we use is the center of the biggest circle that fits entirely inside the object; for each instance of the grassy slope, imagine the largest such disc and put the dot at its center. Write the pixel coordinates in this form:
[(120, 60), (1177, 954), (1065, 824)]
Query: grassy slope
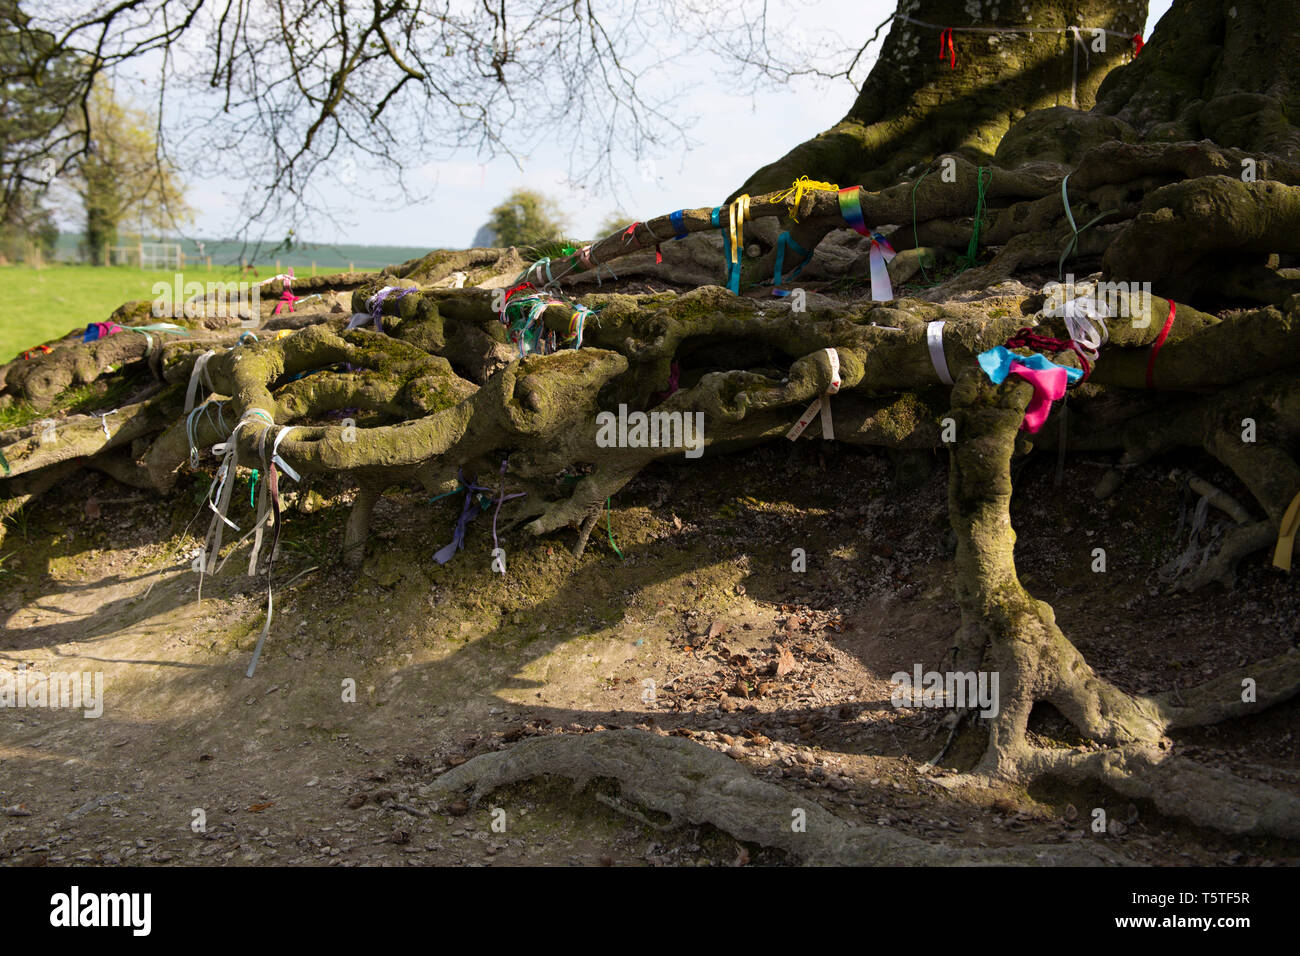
[(41, 304)]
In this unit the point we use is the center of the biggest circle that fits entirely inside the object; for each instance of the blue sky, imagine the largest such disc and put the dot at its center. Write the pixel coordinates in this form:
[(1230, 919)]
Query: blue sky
[(734, 133)]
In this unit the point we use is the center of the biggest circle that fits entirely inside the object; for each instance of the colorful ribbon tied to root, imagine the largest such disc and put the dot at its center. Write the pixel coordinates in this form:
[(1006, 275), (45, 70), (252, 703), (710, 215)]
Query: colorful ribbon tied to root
[(822, 404), (734, 240), (376, 306), (882, 253), (474, 495), (100, 330), (798, 189), (786, 241), (1048, 379)]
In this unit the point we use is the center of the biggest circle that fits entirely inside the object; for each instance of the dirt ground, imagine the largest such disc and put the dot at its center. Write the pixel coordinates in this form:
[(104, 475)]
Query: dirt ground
[(702, 629)]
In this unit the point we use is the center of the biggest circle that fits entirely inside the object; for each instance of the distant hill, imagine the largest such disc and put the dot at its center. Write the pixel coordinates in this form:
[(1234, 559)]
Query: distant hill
[(328, 257)]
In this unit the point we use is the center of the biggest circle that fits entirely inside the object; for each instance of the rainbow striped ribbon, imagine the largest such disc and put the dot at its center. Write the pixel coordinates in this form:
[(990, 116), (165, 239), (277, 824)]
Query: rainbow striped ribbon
[(882, 253)]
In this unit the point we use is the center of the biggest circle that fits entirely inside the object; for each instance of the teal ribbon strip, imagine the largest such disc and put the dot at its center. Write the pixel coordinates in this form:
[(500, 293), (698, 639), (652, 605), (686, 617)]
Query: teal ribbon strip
[(783, 241), (1073, 244), (733, 275)]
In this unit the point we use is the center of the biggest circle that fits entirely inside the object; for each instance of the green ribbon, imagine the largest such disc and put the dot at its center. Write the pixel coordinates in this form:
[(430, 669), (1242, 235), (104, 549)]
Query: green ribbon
[(981, 186), (610, 531), (1073, 244)]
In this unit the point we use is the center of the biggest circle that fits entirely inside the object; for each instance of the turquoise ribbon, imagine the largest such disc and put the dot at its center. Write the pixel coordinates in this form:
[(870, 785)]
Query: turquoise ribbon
[(783, 241), (996, 363)]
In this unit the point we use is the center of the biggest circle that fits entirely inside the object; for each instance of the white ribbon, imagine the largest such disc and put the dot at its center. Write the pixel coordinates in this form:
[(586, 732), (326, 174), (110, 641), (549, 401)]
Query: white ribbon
[(275, 453), (1085, 318), (200, 371), (934, 339), (821, 404)]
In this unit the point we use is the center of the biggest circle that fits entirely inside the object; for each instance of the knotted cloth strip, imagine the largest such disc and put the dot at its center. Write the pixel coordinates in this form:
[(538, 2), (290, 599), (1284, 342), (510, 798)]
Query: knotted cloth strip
[(821, 404)]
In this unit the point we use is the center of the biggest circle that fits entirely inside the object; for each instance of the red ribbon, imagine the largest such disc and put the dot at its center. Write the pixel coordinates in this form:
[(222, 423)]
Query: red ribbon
[(951, 52), (630, 233), (40, 348), (1137, 44), (1155, 346), (1027, 338)]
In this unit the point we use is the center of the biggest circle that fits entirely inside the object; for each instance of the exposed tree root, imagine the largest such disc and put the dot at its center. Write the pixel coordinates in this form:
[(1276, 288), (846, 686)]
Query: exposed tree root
[(1023, 644), (692, 784)]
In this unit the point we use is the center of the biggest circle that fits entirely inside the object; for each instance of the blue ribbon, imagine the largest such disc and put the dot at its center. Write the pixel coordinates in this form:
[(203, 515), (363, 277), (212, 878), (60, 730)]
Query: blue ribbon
[(782, 242), (733, 269), (679, 226), (996, 363)]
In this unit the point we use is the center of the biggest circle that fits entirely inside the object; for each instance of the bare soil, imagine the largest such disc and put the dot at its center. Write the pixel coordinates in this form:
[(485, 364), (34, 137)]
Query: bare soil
[(702, 629)]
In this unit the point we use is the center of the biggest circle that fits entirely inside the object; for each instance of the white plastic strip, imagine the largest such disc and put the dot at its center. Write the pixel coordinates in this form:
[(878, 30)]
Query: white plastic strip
[(934, 339)]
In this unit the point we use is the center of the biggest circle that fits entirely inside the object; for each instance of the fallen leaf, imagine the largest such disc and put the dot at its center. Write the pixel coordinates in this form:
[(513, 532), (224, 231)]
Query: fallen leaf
[(259, 807), (785, 662)]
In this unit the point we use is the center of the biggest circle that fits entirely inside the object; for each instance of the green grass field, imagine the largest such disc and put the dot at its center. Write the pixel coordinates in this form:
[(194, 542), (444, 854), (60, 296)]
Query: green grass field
[(42, 304)]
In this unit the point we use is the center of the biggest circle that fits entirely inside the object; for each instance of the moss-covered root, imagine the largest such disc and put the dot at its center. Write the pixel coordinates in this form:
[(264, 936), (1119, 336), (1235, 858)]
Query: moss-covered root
[(1022, 643), (1035, 662), (1188, 231)]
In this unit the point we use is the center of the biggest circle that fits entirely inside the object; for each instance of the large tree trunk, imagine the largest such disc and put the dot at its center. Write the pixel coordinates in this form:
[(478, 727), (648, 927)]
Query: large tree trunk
[(913, 106), (1219, 70)]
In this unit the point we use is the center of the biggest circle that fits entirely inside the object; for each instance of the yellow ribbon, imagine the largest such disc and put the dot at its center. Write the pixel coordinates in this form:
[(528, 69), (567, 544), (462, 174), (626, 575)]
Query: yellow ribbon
[(737, 212), (1286, 535), (797, 190)]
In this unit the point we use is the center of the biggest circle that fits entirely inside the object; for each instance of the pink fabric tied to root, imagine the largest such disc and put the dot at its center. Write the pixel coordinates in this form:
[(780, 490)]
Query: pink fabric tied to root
[(1049, 386)]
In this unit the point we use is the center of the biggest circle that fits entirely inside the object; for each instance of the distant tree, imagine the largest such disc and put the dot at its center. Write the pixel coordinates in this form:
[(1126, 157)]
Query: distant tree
[(526, 217), (615, 221), (269, 91), (32, 138), (122, 178)]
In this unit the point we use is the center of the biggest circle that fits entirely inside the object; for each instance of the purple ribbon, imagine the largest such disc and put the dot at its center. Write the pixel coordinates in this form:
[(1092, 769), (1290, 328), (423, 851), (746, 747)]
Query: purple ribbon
[(376, 309), (468, 513)]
